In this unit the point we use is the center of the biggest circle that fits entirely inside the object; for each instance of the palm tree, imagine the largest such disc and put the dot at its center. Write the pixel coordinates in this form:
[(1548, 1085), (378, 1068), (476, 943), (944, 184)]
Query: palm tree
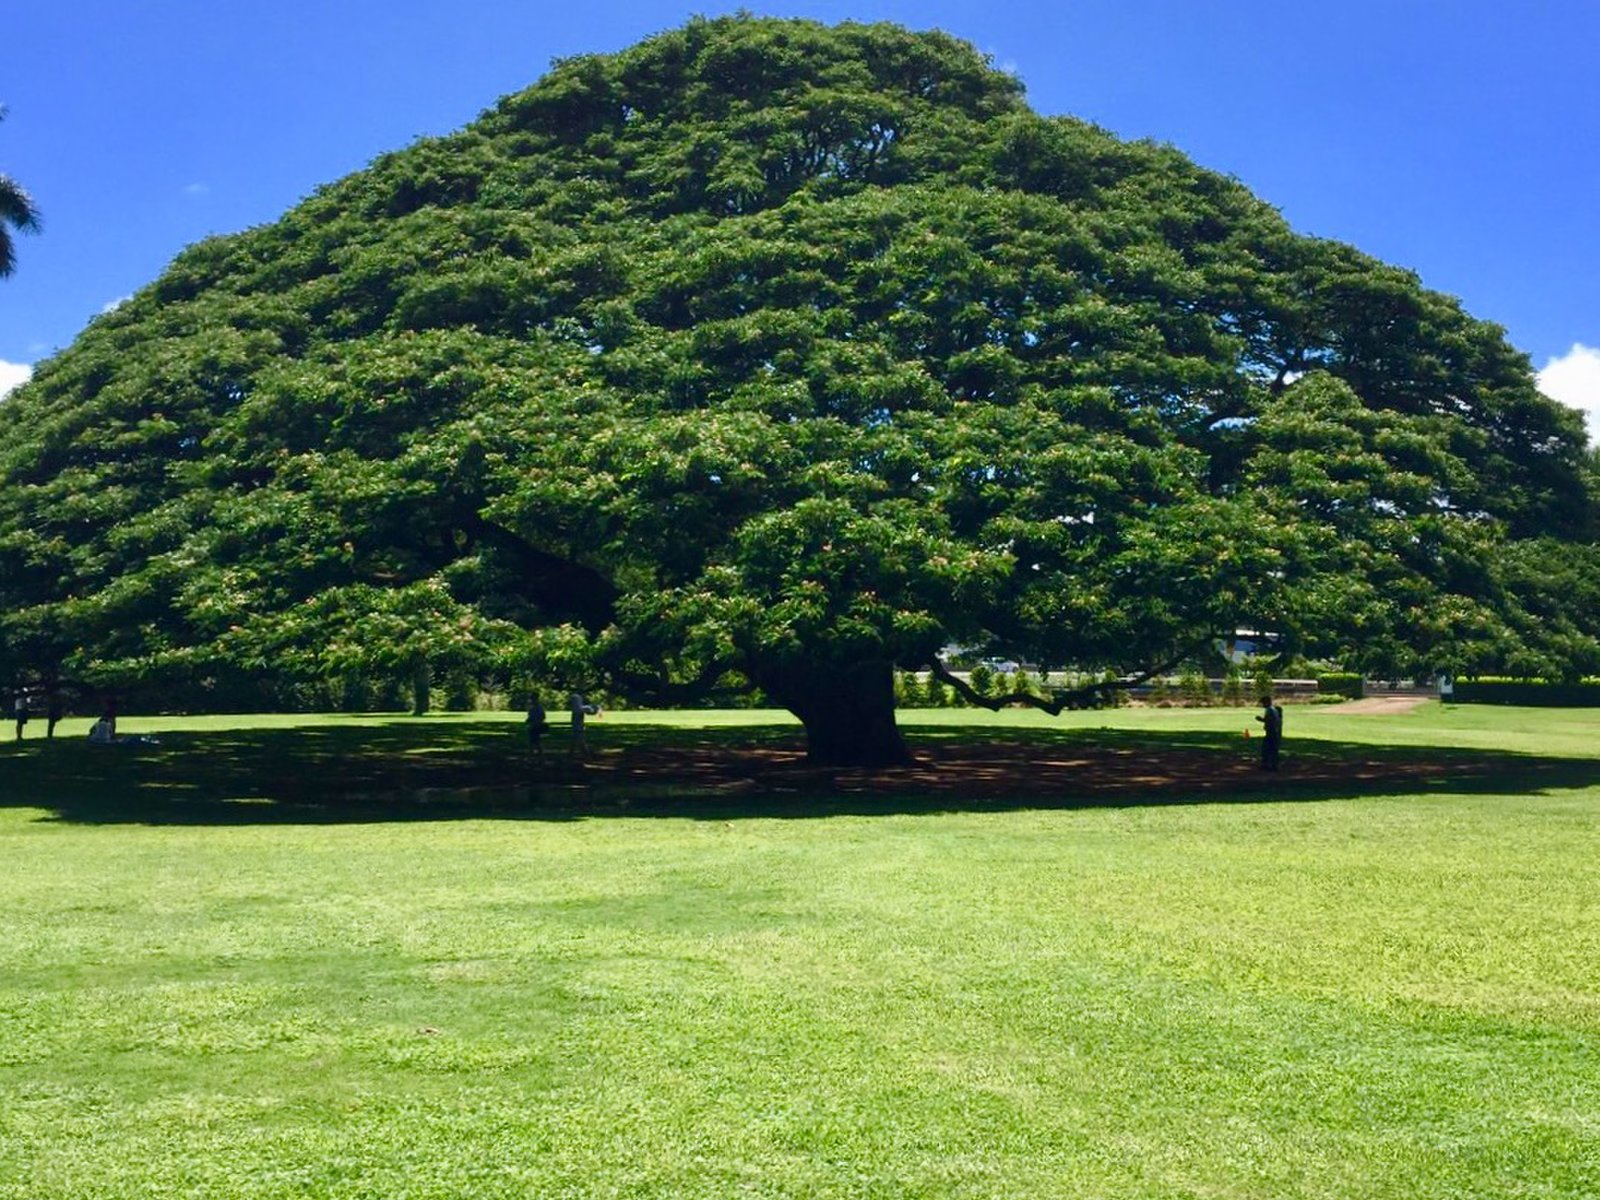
[(16, 211)]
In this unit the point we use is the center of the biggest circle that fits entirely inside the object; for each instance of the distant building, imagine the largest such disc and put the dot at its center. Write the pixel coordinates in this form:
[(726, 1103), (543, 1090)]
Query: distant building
[(1247, 643)]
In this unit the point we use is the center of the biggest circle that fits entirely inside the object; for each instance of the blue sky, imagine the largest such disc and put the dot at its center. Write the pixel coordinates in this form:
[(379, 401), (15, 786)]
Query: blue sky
[(1454, 137)]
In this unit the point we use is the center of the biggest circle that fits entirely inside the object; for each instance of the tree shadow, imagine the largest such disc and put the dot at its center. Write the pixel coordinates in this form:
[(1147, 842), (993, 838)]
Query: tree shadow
[(406, 770)]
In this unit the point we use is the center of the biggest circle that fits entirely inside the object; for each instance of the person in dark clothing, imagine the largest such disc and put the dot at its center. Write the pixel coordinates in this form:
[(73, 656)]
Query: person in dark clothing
[(53, 714), (1271, 719), (538, 722)]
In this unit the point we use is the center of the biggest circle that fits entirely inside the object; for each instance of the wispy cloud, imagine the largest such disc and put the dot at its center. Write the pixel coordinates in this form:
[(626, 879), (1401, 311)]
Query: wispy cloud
[(13, 375), (1574, 379), (197, 189), (113, 305)]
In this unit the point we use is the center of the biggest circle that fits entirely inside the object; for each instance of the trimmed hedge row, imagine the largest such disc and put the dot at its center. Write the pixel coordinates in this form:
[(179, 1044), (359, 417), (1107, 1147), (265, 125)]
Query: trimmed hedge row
[(1530, 692), (1340, 683)]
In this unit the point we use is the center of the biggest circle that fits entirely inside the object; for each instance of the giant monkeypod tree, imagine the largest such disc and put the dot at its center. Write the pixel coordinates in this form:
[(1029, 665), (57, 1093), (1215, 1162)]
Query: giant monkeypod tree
[(772, 354)]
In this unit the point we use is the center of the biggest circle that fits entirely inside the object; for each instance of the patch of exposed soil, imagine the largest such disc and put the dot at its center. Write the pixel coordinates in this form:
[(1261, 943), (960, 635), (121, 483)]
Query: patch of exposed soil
[(1013, 772), (1380, 706)]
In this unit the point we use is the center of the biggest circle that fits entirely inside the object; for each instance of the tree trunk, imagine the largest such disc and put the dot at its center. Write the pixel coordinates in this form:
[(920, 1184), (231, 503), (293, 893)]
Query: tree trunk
[(421, 685), (848, 711)]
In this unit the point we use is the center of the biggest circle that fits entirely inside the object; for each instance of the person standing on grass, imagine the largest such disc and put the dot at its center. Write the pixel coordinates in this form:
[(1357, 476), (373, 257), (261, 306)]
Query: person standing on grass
[(54, 711), (1271, 719), (20, 711), (581, 708), (537, 724)]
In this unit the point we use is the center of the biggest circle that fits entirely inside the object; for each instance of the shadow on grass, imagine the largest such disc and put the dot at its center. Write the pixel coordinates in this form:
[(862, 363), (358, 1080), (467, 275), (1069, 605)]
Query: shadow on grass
[(410, 770)]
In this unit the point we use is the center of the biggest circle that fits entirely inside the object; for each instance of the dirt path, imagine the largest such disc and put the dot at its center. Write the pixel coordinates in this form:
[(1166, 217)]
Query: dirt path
[(1379, 706)]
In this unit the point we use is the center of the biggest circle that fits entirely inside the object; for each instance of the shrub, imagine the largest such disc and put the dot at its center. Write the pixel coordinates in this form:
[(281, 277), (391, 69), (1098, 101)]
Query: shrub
[(1233, 687), (981, 679), (1339, 683), (1115, 697), (1531, 692), (355, 693), (902, 689), (460, 692)]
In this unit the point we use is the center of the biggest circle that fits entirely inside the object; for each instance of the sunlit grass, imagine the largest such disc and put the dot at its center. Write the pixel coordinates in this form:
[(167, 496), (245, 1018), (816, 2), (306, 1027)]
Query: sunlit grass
[(1356, 996)]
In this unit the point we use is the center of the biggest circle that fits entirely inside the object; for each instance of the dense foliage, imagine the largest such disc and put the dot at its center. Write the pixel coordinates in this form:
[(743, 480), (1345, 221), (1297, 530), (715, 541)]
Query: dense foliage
[(776, 354)]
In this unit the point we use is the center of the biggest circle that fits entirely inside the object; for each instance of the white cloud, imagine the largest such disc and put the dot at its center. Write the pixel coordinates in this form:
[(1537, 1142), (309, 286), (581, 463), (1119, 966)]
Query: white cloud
[(13, 375), (112, 305), (197, 189), (1574, 379)]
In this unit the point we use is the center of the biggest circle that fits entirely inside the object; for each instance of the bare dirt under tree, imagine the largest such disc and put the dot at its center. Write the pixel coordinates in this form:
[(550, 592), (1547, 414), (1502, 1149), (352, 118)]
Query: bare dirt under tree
[(1379, 706), (1023, 772)]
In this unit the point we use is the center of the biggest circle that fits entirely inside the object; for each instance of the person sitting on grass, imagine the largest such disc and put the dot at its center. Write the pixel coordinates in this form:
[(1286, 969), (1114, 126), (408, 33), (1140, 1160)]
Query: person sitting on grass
[(104, 733)]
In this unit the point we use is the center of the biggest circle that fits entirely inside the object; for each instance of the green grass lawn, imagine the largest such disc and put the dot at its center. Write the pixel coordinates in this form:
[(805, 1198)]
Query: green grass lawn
[(218, 978)]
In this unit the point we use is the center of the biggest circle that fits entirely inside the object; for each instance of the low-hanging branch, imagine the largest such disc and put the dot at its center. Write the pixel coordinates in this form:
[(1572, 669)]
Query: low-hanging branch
[(1060, 699), (660, 688)]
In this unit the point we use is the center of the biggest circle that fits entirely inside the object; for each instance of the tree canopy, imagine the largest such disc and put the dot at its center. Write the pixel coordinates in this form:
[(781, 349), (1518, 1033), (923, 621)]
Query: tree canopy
[(772, 354)]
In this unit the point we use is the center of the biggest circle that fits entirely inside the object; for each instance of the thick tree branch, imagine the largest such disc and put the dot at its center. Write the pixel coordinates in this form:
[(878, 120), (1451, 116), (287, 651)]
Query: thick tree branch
[(556, 584), (660, 688), (1061, 698), (1295, 363)]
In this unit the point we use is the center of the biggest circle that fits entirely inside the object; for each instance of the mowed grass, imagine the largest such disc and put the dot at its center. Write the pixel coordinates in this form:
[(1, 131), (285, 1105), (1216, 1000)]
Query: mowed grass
[(1309, 994)]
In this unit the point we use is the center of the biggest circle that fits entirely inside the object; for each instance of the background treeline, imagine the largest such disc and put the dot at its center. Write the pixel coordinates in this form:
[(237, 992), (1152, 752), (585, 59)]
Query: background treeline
[(418, 689), (1237, 686), (453, 688), (456, 689), (1579, 693)]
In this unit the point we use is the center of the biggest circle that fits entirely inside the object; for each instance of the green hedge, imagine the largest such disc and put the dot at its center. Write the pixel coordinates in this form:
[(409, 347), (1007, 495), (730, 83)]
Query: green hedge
[(1339, 683), (1531, 692)]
